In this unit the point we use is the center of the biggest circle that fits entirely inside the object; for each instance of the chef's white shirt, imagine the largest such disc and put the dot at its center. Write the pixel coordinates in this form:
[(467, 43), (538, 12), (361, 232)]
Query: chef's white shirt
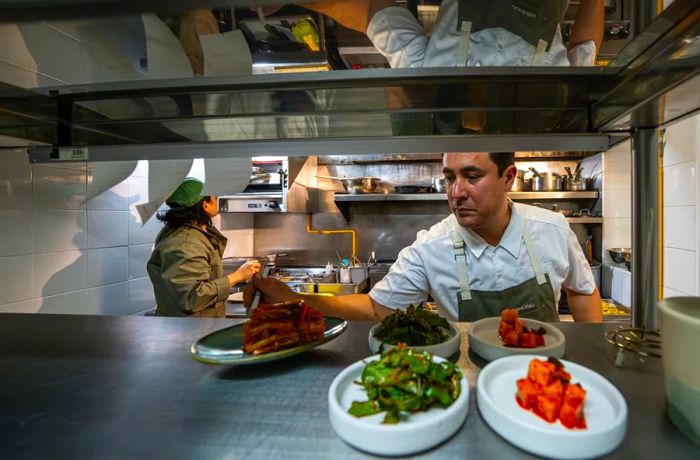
[(428, 266), (397, 35)]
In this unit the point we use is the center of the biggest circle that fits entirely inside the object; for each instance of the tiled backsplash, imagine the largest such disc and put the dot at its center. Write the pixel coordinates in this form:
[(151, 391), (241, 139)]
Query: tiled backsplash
[(681, 189), (59, 254)]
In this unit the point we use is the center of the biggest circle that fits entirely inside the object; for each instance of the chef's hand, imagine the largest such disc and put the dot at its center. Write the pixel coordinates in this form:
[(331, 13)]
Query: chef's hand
[(272, 290), (244, 273)]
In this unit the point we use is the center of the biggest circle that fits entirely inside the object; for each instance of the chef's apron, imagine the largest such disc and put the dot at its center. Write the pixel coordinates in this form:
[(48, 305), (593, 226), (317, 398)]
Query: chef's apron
[(535, 21), (533, 298)]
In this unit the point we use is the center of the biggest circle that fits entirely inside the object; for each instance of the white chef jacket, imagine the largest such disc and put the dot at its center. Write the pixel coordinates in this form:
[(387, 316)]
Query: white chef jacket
[(428, 266), (398, 36)]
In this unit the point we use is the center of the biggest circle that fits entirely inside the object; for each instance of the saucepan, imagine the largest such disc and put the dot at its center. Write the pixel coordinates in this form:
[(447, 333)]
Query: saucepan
[(356, 185)]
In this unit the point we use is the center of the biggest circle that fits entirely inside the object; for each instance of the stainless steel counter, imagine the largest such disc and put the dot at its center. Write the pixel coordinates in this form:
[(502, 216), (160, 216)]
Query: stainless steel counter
[(124, 387)]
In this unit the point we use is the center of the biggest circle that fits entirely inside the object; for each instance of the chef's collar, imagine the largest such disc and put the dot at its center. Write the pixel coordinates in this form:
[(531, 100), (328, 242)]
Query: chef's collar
[(510, 241)]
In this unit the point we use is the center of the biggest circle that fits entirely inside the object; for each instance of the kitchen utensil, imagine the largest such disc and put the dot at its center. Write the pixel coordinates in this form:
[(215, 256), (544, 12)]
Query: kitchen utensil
[(265, 272), (225, 346), (534, 172), (618, 254), (538, 184), (356, 185), (577, 185), (566, 182), (412, 189), (519, 181), (527, 185), (590, 181), (444, 349), (680, 341), (589, 248), (568, 171), (439, 185), (553, 182), (578, 170), (605, 410), (417, 432), (485, 342)]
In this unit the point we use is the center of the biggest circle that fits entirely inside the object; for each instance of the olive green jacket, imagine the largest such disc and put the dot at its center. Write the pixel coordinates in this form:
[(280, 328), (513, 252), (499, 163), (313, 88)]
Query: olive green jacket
[(186, 271)]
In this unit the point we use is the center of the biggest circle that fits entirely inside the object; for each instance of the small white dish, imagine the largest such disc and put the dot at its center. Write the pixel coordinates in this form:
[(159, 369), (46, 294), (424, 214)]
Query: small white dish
[(443, 349), (415, 433), (485, 342), (605, 410)]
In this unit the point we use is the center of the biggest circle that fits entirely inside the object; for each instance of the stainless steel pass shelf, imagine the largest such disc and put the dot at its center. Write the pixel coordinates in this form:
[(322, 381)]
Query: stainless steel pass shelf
[(345, 200), (349, 198)]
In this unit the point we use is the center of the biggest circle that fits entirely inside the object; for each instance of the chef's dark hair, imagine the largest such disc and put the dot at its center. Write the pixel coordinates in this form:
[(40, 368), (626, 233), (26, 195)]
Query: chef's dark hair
[(502, 160), (176, 217)]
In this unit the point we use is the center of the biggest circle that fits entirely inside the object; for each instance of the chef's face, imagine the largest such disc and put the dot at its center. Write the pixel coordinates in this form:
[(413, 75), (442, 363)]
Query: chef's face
[(211, 206), (476, 193)]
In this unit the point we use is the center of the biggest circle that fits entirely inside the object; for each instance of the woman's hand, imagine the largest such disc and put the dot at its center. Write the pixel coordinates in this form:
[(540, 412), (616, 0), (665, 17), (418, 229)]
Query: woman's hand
[(244, 273)]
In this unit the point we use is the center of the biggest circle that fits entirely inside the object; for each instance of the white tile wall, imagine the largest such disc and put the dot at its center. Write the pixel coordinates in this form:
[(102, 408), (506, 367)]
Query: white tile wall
[(617, 202), (15, 184), (59, 272), (15, 225), (679, 227), (107, 229), (66, 65), (141, 295), (107, 266), (679, 184), (26, 306), (680, 271), (114, 199), (112, 299), (143, 234), (69, 303), (58, 188), (680, 138), (668, 292), (59, 230), (138, 258), (16, 279)]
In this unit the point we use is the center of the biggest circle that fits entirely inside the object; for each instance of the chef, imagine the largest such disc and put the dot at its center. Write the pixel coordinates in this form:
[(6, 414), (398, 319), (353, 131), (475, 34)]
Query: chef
[(475, 32), (488, 255), (185, 266)]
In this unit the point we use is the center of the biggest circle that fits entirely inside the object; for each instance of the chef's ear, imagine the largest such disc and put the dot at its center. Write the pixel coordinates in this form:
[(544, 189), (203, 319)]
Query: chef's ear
[(510, 173)]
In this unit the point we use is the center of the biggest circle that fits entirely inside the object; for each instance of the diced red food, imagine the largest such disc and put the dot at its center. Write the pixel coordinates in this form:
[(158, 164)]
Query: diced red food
[(548, 393), (513, 332)]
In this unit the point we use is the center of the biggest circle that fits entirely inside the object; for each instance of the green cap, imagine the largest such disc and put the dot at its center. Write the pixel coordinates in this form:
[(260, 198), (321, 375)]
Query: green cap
[(189, 193)]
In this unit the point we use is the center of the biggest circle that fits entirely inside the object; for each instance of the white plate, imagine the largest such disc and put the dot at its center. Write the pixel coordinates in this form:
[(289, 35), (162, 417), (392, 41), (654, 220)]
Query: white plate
[(415, 433), (485, 342), (605, 410), (444, 349)]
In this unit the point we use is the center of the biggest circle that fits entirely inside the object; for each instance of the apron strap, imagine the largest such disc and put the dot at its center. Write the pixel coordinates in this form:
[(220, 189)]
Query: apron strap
[(534, 257), (461, 259), (465, 30), (538, 58)]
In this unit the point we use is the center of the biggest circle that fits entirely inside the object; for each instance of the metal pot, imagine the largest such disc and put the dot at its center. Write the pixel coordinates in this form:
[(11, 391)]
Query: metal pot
[(439, 185), (620, 255), (356, 185), (552, 182), (538, 184), (577, 185)]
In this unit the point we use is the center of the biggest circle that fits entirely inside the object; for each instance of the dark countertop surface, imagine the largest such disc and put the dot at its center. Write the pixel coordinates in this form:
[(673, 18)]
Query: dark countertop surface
[(96, 387)]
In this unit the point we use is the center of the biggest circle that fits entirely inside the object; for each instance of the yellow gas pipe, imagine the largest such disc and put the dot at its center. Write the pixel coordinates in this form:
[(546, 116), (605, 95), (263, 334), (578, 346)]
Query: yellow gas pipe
[(333, 232)]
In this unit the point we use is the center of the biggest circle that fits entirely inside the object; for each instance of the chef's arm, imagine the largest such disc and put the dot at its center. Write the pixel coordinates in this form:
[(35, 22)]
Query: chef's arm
[(353, 14), (589, 24), (585, 308), (350, 307)]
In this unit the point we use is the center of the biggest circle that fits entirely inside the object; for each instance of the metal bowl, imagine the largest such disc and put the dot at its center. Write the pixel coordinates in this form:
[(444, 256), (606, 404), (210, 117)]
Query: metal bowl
[(619, 255), (357, 185)]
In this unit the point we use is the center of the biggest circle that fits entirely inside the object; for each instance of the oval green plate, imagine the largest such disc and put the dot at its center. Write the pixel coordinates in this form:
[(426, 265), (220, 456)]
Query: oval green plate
[(225, 346)]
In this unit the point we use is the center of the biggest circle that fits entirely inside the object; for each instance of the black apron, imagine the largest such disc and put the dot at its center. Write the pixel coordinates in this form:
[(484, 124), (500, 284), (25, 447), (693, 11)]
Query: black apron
[(533, 298), (535, 21)]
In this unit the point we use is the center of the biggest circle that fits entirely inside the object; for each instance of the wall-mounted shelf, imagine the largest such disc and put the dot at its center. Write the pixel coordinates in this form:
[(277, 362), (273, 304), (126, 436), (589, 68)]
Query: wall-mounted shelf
[(344, 200)]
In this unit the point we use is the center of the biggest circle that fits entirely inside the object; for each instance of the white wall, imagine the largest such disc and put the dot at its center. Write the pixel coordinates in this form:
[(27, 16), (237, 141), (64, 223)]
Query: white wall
[(681, 188), (59, 254)]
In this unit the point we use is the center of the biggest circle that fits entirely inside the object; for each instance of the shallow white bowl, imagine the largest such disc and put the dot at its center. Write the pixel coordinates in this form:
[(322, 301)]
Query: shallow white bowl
[(415, 433), (444, 349), (485, 342), (605, 410)]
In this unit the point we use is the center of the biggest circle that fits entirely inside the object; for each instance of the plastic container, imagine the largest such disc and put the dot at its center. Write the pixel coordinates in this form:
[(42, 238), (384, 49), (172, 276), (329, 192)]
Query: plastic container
[(680, 341), (329, 268)]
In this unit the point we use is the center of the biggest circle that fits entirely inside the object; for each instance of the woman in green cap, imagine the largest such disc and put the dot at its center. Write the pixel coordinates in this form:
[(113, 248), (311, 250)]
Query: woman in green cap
[(185, 266)]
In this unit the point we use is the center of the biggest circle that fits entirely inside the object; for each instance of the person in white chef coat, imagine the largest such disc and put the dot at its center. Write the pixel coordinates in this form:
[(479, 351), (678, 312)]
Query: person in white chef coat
[(475, 32), (487, 255)]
